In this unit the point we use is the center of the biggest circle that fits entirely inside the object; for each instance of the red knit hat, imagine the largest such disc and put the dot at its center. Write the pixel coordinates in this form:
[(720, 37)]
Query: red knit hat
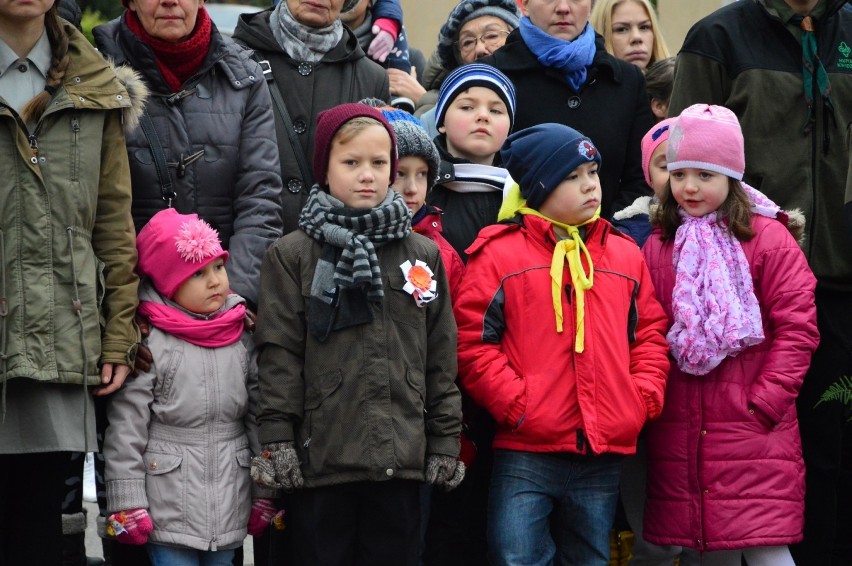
[(707, 137), (329, 121), (173, 246)]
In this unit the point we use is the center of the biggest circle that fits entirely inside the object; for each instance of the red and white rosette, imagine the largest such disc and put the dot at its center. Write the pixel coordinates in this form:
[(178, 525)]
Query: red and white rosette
[(419, 282)]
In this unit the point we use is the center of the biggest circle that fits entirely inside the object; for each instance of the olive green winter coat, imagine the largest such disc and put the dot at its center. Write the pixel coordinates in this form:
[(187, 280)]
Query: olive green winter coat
[(67, 245)]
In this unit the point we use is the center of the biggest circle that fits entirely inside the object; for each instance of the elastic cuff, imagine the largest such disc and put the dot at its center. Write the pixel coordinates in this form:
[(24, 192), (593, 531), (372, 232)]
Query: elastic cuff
[(74, 523), (126, 494), (388, 25)]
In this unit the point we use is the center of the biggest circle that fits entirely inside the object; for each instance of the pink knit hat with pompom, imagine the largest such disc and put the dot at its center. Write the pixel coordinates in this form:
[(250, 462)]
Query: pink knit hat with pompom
[(173, 246), (707, 137), (651, 141)]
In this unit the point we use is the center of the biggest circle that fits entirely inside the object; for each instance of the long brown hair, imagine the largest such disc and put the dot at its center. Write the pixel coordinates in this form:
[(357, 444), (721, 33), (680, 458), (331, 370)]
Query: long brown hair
[(736, 210), (58, 65)]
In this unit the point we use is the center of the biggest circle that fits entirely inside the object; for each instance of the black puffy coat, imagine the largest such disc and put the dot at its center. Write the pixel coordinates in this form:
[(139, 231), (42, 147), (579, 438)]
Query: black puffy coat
[(611, 108), (219, 142), (345, 74)]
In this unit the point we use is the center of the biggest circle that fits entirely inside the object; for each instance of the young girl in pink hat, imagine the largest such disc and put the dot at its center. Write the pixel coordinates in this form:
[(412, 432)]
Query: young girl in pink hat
[(725, 469), (181, 435)]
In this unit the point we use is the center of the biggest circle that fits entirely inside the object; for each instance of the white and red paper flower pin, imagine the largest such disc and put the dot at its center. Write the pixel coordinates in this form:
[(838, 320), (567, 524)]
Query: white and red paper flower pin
[(419, 282)]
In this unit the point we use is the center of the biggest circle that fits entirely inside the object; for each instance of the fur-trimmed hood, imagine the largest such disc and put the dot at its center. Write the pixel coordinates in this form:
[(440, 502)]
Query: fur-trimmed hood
[(136, 89)]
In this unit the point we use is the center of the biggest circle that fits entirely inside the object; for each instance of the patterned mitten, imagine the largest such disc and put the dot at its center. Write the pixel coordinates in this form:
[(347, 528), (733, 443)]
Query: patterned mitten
[(130, 527), (444, 471), (262, 511), (277, 467)]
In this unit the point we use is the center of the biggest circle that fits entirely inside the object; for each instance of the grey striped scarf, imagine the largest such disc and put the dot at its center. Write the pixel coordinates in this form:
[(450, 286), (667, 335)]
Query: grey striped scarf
[(357, 232)]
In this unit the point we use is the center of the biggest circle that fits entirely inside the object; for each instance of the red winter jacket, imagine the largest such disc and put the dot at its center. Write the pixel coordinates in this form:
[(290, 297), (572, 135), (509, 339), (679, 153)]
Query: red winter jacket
[(543, 396), (725, 466), (430, 226)]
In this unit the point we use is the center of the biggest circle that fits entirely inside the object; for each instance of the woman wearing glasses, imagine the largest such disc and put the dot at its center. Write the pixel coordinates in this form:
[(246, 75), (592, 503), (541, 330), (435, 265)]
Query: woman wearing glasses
[(474, 29), (563, 73)]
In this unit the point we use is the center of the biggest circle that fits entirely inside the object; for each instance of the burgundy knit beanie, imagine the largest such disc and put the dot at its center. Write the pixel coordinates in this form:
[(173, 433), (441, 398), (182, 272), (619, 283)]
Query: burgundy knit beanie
[(329, 121), (707, 137), (173, 246)]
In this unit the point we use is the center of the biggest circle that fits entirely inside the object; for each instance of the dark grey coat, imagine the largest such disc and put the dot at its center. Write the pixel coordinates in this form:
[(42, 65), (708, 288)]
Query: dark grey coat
[(219, 126), (345, 74)]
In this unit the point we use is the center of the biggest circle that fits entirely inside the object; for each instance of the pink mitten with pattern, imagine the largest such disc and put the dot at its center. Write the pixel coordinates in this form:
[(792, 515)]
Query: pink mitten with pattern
[(130, 527)]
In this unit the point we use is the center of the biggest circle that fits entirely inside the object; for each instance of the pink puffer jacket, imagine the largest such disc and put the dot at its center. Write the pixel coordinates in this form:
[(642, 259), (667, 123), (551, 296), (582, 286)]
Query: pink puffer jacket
[(725, 466)]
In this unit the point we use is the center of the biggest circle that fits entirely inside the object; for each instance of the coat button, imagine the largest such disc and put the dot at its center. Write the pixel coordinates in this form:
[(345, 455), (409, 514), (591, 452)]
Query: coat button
[(703, 432), (152, 465), (389, 472), (294, 186), (305, 69), (574, 102), (300, 126), (706, 491)]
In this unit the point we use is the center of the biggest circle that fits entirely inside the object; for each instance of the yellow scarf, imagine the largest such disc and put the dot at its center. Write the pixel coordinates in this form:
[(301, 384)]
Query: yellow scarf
[(571, 249)]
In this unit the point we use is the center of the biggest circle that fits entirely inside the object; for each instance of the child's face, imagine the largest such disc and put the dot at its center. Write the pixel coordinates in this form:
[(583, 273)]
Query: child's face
[(206, 290), (657, 169), (412, 181), (359, 169), (697, 191), (576, 198), (476, 124)]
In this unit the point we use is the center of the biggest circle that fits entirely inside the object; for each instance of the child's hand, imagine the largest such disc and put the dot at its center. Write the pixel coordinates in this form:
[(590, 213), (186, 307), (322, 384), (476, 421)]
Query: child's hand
[(130, 527), (444, 471), (277, 467), (381, 45), (262, 512)]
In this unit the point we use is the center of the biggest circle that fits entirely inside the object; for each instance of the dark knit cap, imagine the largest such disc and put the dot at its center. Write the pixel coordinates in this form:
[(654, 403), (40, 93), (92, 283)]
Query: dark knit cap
[(465, 11), (329, 121), (469, 76), (540, 157)]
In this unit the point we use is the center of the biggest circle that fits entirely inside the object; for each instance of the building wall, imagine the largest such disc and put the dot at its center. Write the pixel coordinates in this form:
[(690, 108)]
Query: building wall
[(423, 19)]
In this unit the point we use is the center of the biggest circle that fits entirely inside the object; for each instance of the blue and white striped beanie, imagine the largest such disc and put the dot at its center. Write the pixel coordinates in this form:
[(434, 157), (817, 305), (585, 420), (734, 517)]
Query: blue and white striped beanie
[(471, 75)]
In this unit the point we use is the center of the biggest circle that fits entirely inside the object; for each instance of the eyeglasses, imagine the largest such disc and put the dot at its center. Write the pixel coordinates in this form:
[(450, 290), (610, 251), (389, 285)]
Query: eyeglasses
[(492, 39)]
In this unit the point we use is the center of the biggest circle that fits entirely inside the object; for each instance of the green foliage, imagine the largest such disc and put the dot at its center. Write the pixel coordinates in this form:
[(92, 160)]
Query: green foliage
[(840, 390), (89, 21), (108, 9)]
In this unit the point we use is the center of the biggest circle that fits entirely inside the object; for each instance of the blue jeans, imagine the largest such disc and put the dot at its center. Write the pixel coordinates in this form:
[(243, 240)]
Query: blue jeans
[(547, 508), (162, 555)]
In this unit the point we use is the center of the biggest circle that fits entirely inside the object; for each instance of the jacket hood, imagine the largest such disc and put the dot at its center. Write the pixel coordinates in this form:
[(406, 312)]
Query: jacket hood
[(90, 81), (254, 32), (138, 91)]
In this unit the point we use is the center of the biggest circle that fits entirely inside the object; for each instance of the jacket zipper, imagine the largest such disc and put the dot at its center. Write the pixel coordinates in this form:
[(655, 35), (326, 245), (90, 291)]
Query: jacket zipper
[(75, 159)]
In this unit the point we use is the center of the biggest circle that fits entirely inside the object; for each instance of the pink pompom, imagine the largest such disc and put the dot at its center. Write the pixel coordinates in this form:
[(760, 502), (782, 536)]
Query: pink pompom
[(196, 240)]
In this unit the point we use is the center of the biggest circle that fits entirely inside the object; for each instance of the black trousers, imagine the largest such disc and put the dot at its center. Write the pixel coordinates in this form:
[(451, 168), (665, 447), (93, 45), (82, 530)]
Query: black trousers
[(32, 487), (356, 524), (827, 441)]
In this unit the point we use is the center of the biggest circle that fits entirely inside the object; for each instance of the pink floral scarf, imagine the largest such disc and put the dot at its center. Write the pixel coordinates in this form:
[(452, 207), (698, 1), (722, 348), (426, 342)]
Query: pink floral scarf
[(715, 310)]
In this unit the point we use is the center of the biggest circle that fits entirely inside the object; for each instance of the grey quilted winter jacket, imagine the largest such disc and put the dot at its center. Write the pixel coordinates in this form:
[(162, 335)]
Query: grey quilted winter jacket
[(218, 136), (181, 437)]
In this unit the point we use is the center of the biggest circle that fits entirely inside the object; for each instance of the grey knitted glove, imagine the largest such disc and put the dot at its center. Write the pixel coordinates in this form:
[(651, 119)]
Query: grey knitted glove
[(444, 471), (277, 467)]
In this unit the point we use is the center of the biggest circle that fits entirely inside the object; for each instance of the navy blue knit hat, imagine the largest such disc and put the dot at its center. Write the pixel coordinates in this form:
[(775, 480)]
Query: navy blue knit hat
[(540, 157), (469, 76), (465, 11)]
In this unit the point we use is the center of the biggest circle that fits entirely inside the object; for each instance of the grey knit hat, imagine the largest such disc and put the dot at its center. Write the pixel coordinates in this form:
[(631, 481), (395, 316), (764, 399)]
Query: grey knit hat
[(466, 10), (411, 137)]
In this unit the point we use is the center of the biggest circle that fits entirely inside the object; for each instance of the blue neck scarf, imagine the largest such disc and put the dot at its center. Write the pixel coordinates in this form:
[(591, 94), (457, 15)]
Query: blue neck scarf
[(573, 58)]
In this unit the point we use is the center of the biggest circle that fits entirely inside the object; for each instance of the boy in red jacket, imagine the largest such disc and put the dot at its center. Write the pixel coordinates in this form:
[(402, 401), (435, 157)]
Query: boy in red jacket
[(562, 341)]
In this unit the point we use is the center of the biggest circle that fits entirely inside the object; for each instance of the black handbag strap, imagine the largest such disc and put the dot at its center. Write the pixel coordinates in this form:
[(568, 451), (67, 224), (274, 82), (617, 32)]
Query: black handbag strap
[(166, 187), (278, 102)]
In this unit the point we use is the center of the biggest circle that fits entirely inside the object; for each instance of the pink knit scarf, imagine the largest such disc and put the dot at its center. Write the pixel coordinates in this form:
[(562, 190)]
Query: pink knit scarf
[(715, 310), (221, 330)]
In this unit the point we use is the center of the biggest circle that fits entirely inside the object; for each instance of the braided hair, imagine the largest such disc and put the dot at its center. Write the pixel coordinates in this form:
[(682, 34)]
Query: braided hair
[(58, 65)]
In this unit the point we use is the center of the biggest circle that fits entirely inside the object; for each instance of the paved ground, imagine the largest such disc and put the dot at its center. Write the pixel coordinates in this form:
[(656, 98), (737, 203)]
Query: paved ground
[(93, 543)]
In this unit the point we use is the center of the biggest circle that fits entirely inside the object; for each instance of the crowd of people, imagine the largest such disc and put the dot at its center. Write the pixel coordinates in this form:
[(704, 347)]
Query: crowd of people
[(370, 307)]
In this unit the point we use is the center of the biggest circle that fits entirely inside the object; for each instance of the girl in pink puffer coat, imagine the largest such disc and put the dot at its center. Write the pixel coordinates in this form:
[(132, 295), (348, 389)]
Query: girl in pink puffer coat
[(725, 469)]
